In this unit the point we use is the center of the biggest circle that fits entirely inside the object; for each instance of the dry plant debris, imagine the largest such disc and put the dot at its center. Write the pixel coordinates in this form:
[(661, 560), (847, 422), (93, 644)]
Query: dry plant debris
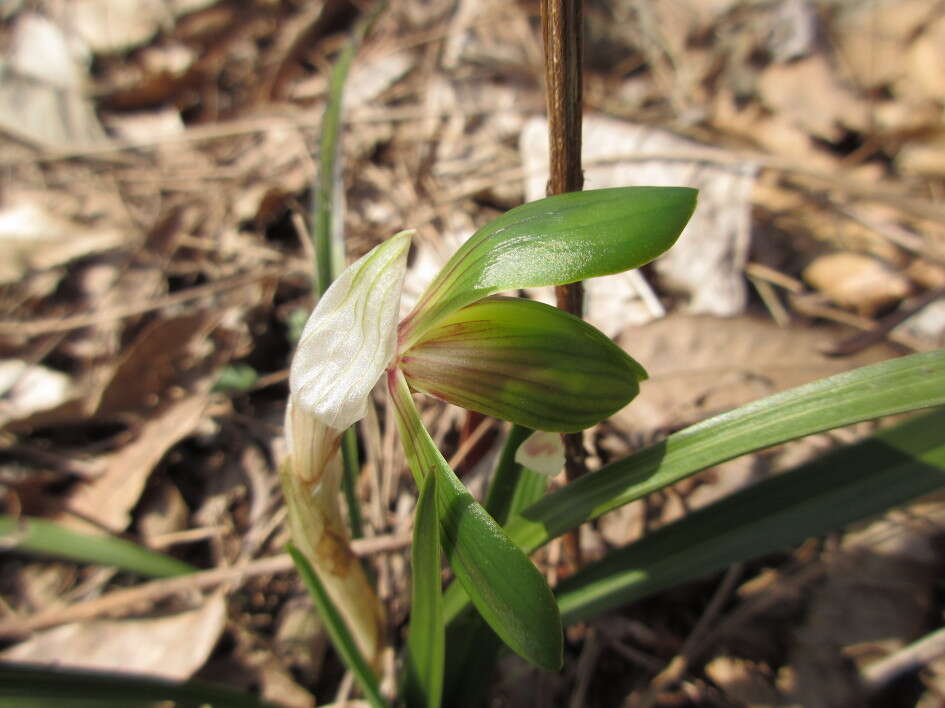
[(157, 160)]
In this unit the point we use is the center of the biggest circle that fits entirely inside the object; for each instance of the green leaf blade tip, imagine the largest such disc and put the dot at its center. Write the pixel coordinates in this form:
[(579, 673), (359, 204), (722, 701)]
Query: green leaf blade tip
[(555, 241)]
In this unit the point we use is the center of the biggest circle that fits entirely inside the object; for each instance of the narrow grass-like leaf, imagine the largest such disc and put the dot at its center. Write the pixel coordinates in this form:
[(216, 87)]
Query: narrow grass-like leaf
[(834, 490), (31, 686), (349, 479), (523, 361), (426, 642), (327, 204), (341, 638), (897, 386), (509, 592), (553, 241), (31, 535)]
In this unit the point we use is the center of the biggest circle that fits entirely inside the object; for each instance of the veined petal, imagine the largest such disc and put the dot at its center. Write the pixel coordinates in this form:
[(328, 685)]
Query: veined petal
[(526, 362), (542, 452), (349, 338)]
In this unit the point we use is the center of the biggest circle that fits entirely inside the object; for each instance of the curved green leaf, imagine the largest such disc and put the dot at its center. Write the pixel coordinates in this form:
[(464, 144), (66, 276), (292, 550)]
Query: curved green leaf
[(553, 241), (837, 489), (509, 592), (523, 361), (32, 535), (31, 686), (472, 648), (426, 643), (897, 386)]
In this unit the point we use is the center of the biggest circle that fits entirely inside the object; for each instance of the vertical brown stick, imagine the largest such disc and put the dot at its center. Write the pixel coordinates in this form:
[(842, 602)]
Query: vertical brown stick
[(561, 32), (561, 35)]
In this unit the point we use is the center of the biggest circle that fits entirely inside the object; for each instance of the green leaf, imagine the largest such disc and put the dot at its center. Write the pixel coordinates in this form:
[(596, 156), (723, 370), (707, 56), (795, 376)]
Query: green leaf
[(898, 386), (472, 648), (426, 642), (349, 480), (553, 241), (30, 686), (341, 637), (31, 535), (523, 361), (509, 592), (837, 489)]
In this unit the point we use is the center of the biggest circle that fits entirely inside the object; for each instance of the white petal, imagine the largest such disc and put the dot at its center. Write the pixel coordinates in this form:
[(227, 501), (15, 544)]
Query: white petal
[(350, 337), (541, 452)]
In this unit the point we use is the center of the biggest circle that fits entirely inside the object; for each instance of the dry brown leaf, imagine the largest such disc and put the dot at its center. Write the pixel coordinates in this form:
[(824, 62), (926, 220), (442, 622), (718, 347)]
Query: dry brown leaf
[(108, 500), (926, 61), (775, 133), (162, 511), (877, 598), (147, 126), (163, 354), (172, 647), (926, 274), (108, 26), (857, 281), (873, 38), (300, 638), (923, 157), (42, 87), (808, 93), (928, 325), (31, 238), (744, 681), (701, 365), (27, 389)]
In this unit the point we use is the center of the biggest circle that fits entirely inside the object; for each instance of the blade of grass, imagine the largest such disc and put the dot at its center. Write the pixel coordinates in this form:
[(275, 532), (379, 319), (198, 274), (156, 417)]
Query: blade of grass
[(341, 638), (349, 480), (426, 642), (47, 538), (844, 486), (29, 686), (326, 210), (898, 386)]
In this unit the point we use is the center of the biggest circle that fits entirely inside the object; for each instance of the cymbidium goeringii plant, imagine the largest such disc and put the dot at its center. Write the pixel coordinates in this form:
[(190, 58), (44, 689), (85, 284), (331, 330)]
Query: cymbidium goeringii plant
[(511, 358)]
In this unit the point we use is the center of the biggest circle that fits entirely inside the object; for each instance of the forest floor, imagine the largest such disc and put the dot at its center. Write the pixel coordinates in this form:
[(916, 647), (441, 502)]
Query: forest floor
[(157, 163)]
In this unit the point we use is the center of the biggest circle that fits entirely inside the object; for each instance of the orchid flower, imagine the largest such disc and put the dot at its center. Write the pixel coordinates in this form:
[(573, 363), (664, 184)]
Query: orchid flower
[(511, 358)]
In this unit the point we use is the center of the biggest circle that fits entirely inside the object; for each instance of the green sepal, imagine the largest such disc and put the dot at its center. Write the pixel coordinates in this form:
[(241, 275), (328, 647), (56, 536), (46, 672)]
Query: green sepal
[(524, 361), (507, 590), (554, 241)]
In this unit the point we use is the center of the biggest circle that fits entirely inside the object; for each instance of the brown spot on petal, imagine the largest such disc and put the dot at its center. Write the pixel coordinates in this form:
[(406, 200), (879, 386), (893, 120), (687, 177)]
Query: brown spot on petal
[(334, 553)]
